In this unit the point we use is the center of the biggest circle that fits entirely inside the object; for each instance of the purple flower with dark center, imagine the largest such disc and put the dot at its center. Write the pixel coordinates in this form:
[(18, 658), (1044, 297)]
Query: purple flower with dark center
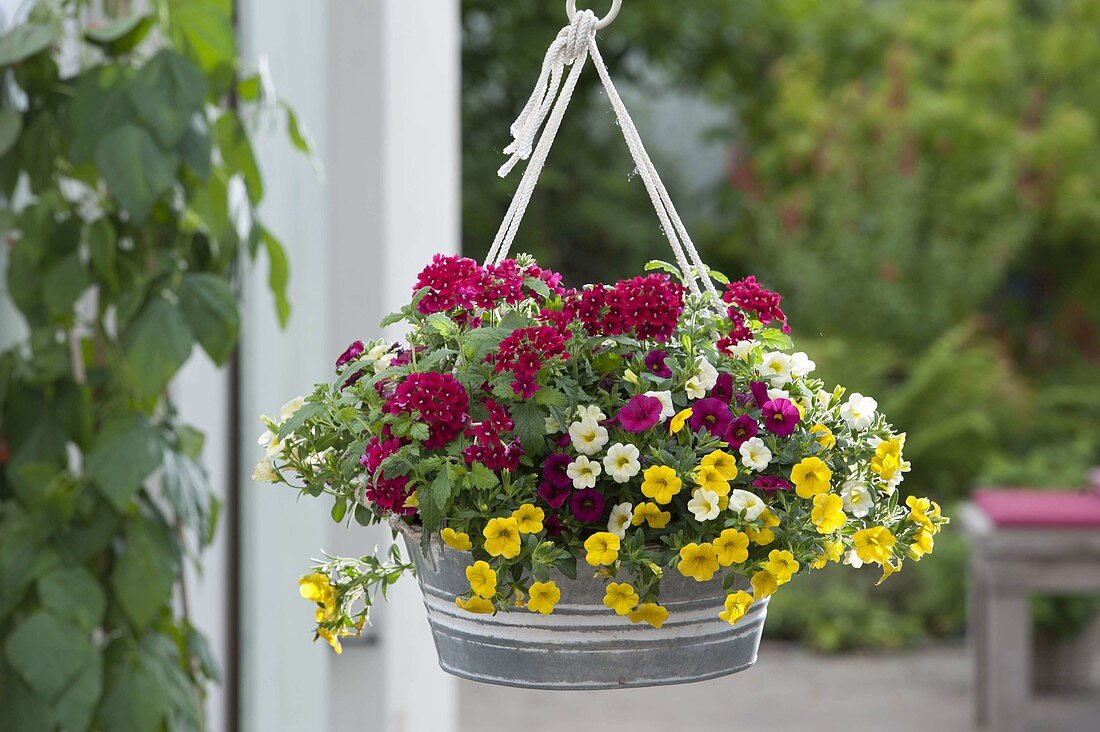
[(740, 430), (564, 440), (711, 414), (655, 363), (554, 495), (640, 413), (771, 484), (553, 525), (780, 416), (742, 399), (759, 393), (723, 388), (554, 470), (587, 505), (354, 351)]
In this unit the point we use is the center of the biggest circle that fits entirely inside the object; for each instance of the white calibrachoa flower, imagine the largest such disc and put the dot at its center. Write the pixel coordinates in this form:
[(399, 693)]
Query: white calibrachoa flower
[(776, 367), (621, 462), (591, 413), (755, 455), (852, 559), (750, 503), (706, 373), (380, 357), (703, 504), (588, 436), (859, 411), (620, 519), (551, 426), (287, 410), (665, 398), (270, 441), (801, 365), (584, 472), (264, 471), (693, 387), (742, 349), (858, 499), (778, 394), (823, 398)]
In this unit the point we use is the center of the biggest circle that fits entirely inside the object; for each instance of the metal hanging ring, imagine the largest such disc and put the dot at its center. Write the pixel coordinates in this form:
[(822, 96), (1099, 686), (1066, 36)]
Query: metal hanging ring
[(616, 5)]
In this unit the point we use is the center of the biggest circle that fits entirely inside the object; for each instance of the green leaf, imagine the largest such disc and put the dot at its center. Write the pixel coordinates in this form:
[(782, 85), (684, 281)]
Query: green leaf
[(25, 41), (530, 424), (156, 344), (102, 249), (204, 31), (196, 148), (134, 698), (166, 91), (145, 572), (299, 137), (48, 652), (136, 169), (548, 396), (208, 304), (442, 324), (73, 593), (100, 105), (481, 478), (534, 283), (11, 124), (236, 151), (121, 35), (23, 711), (278, 274), (125, 452), (433, 500), (249, 88), (77, 705), (63, 285), (187, 489), (568, 566), (339, 509), (776, 339)]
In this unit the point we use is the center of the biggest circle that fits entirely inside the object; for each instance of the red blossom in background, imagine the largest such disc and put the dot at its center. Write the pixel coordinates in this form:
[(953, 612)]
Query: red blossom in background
[(524, 352), (439, 399)]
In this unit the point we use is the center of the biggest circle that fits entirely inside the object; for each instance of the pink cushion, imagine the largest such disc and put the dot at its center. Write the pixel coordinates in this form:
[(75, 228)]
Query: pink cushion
[(1028, 508)]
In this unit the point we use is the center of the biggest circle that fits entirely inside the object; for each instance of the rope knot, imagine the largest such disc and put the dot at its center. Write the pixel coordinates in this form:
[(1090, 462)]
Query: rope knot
[(578, 35)]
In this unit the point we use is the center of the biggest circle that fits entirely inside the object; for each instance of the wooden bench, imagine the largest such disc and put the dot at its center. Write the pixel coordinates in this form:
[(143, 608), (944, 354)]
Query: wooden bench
[(1023, 542)]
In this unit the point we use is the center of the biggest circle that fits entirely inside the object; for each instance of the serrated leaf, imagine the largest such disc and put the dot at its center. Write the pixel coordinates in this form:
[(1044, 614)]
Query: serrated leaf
[(208, 303), (534, 283), (442, 324), (776, 339), (433, 501), (481, 478), (530, 424), (125, 452), (166, 91), (135, 168), (548, 396), (156, 344)]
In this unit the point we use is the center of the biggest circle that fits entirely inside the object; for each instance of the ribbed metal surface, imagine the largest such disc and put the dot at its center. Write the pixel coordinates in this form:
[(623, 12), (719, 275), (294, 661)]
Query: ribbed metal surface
[(583, 645)]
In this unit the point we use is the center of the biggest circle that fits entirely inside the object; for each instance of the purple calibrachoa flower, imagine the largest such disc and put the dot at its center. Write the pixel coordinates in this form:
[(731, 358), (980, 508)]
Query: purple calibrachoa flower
[(640, 413), (759, 393), (740, 430), (771, 484), (553, 470), (587, 505), (554, 495), (780, 416), (354, 351), (553, 525), (723, 388), (655, 363), (711, 414)]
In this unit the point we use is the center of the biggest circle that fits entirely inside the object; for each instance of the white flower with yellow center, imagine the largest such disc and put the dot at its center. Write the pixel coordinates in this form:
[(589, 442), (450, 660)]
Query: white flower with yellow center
[(755, 455), (665, 398), (270, 441), (742, 349), (776, 367), (703, 504), (621, 462), (550, 425), (583, 472), (588, 436), (779, 394), (592, 413), (621, 516), (706, 373), (859, 411), (801, 365), (264, 471), (287, 410), (694, 388), (750, 503), (858, 499)]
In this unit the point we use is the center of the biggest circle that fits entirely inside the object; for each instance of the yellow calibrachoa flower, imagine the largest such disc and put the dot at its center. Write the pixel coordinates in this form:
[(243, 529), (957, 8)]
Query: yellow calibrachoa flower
[(544, 596), (823, 436), (699, 561), (630, 376), (679, 420), (922, 511), (721, 461), (413, 501), (922, 544), (832, 551), (502, 537), (782, 564), (458, 540), (529, 518), (888, 569), (650, 513), (763, 584), (875, 544), (475, 604), (332, 639), (737, 604), (764, 536), (660, 483), (810, 477), (732, 547), (710, 478), (828, 513), (602, 548), (649, 612), (482, 578), (317, 588), (620, 597)]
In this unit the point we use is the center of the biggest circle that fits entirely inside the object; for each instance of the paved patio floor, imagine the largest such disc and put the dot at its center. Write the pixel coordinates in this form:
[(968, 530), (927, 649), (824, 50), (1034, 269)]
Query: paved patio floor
[(789, 690)]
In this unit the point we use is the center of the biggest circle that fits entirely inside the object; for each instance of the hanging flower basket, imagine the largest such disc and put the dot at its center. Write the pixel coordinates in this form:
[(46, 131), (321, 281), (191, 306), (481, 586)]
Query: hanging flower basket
[(597, 487)]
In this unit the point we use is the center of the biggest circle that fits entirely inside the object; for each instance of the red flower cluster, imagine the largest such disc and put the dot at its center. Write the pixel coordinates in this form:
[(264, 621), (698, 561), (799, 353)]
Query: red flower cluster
[(750, 296), (490, 447), (648, 307), (524, 352), (455, 282), (388, 494), (441, 402)]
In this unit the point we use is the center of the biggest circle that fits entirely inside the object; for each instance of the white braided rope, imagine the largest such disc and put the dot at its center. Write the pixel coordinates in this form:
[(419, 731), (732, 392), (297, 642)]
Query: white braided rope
[(573, 45)]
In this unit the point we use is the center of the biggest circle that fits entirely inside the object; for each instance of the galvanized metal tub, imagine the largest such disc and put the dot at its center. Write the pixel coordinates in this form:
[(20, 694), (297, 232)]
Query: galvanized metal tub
[(582, 644)]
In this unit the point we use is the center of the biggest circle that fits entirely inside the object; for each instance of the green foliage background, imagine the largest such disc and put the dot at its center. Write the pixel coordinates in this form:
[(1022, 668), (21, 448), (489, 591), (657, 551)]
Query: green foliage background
[(921, 178), (120, 148)]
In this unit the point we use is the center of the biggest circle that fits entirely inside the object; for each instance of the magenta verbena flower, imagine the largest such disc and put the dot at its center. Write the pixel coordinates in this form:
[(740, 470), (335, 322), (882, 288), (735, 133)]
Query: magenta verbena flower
[(780, 416), (440, 400), (751, 297), (640, 413), (524, 352)]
